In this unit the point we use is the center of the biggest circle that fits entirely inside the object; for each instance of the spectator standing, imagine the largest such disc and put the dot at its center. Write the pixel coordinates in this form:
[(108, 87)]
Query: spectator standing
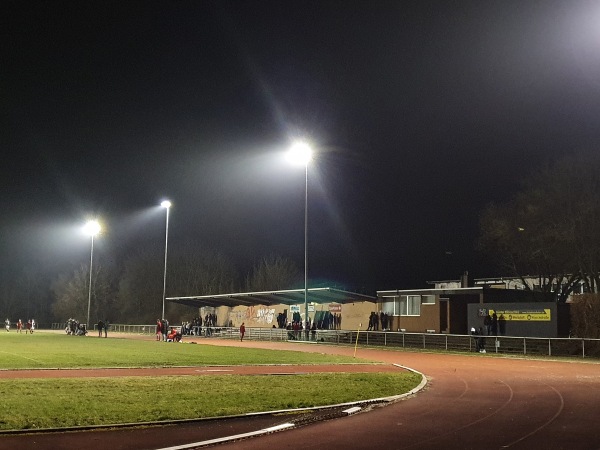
[(487, 322), (158, 329), (106, 325), (481, 341), (502, 325), (7, 324), (494, 324), (242, 331), (164, 328), (100, 326)]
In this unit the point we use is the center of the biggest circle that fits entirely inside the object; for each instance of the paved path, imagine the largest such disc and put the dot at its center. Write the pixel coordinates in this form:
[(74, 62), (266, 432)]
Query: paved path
[(472, 402)]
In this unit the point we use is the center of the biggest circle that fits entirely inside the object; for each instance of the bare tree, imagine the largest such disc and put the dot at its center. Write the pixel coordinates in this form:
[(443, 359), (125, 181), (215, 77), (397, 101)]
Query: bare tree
[(140, 287), (585, 316), (550, 229), (71, 293), (194, 270), (271, 273), (191, 270)]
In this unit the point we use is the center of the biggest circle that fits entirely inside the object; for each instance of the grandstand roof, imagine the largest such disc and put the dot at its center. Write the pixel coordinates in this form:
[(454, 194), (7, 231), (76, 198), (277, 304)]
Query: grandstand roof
[(287, 297)]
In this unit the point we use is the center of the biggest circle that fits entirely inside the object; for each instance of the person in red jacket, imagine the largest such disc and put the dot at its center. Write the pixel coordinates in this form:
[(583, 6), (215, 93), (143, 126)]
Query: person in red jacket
[(242, 331), (174, 335), (158, 330)]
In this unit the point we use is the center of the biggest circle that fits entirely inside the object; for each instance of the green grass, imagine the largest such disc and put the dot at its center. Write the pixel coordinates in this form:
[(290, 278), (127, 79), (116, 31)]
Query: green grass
[(54, 403), (47, 350)]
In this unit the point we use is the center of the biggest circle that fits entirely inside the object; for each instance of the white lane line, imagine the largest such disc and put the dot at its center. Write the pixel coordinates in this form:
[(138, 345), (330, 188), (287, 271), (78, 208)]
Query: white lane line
[(352, 410), (283, 426)]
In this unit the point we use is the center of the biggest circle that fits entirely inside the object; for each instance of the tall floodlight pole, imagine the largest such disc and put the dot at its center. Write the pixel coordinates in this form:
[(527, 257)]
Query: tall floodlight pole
[(166, 204), (301, 153), (92, 228)]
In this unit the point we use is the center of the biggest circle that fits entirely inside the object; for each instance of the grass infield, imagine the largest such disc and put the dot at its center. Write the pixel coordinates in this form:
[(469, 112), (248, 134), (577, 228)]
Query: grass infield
[(51, 403)]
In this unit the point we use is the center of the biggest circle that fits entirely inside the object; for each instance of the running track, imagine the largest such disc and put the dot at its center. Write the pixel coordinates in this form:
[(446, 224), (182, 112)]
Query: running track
[(471, 402)]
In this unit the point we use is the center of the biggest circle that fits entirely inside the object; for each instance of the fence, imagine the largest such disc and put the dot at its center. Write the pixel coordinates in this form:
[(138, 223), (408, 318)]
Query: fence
[(532, 346), (117, 328)]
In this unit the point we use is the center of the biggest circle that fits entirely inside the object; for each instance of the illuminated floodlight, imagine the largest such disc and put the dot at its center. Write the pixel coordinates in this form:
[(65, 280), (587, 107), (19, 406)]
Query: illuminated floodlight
[(167, 205), (92, 228), (300, 153)]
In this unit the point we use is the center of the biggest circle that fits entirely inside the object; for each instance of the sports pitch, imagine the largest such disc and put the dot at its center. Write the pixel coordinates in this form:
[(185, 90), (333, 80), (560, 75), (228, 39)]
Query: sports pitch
[(97, 401)]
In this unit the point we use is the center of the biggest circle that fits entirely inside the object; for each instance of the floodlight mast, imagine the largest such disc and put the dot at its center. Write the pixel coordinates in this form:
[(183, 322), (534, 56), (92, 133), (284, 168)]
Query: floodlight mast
[(92, 228), (167, 205), (301, 153)]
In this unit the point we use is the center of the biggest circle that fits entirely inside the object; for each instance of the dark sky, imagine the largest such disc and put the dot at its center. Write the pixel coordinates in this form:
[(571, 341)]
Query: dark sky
[(420, 113)]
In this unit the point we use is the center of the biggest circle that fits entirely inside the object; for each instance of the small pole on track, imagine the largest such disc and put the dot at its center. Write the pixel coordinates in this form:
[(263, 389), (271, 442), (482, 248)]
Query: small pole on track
[(357, 333)]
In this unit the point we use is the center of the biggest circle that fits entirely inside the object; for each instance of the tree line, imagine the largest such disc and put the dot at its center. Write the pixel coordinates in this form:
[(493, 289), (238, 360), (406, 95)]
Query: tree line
[(132, 292)]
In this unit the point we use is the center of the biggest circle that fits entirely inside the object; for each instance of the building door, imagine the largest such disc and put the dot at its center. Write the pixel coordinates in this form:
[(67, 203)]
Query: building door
[(444, 313)]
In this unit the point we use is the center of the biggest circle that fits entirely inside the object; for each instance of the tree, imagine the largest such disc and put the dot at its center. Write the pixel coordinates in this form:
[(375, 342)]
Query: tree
[(71, 292), (194, 270), (32, 294), (141, 287), (585, 316), (191, 270), (549, 229), (272, 273)]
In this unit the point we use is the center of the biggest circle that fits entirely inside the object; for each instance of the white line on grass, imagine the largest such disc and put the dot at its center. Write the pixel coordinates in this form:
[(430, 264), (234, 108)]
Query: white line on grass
[(21, 356)]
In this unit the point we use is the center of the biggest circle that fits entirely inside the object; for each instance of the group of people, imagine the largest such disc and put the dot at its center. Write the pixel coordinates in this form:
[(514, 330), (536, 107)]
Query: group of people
[(103, 325), (376, 321), (326, 320), (29, 327), (194, 327), (74, 328), (295, 330), (494, 325), (166, 333)]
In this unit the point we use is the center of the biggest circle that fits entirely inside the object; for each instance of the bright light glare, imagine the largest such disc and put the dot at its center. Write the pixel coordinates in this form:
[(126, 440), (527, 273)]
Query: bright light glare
[(166, 204), (92, 228), (300, 153)]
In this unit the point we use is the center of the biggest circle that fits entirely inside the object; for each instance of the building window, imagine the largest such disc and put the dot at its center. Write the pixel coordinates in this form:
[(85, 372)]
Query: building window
[(428, 299), (413, 306), (405, 305), (387, 306)]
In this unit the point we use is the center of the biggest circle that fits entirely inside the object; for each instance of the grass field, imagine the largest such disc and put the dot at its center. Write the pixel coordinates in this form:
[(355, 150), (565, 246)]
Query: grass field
[(51, 350), (50, 403)]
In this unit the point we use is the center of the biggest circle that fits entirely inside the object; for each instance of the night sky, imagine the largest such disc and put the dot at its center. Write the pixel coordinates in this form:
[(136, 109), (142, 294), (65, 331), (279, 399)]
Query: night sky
[(420, 113)]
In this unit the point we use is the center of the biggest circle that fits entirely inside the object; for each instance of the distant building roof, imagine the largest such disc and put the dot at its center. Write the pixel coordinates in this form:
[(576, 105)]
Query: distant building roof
[(437, 291)]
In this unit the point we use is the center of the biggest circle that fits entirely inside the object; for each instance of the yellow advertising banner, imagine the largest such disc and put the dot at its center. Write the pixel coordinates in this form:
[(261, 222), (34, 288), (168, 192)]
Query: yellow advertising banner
[(525, 315)]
